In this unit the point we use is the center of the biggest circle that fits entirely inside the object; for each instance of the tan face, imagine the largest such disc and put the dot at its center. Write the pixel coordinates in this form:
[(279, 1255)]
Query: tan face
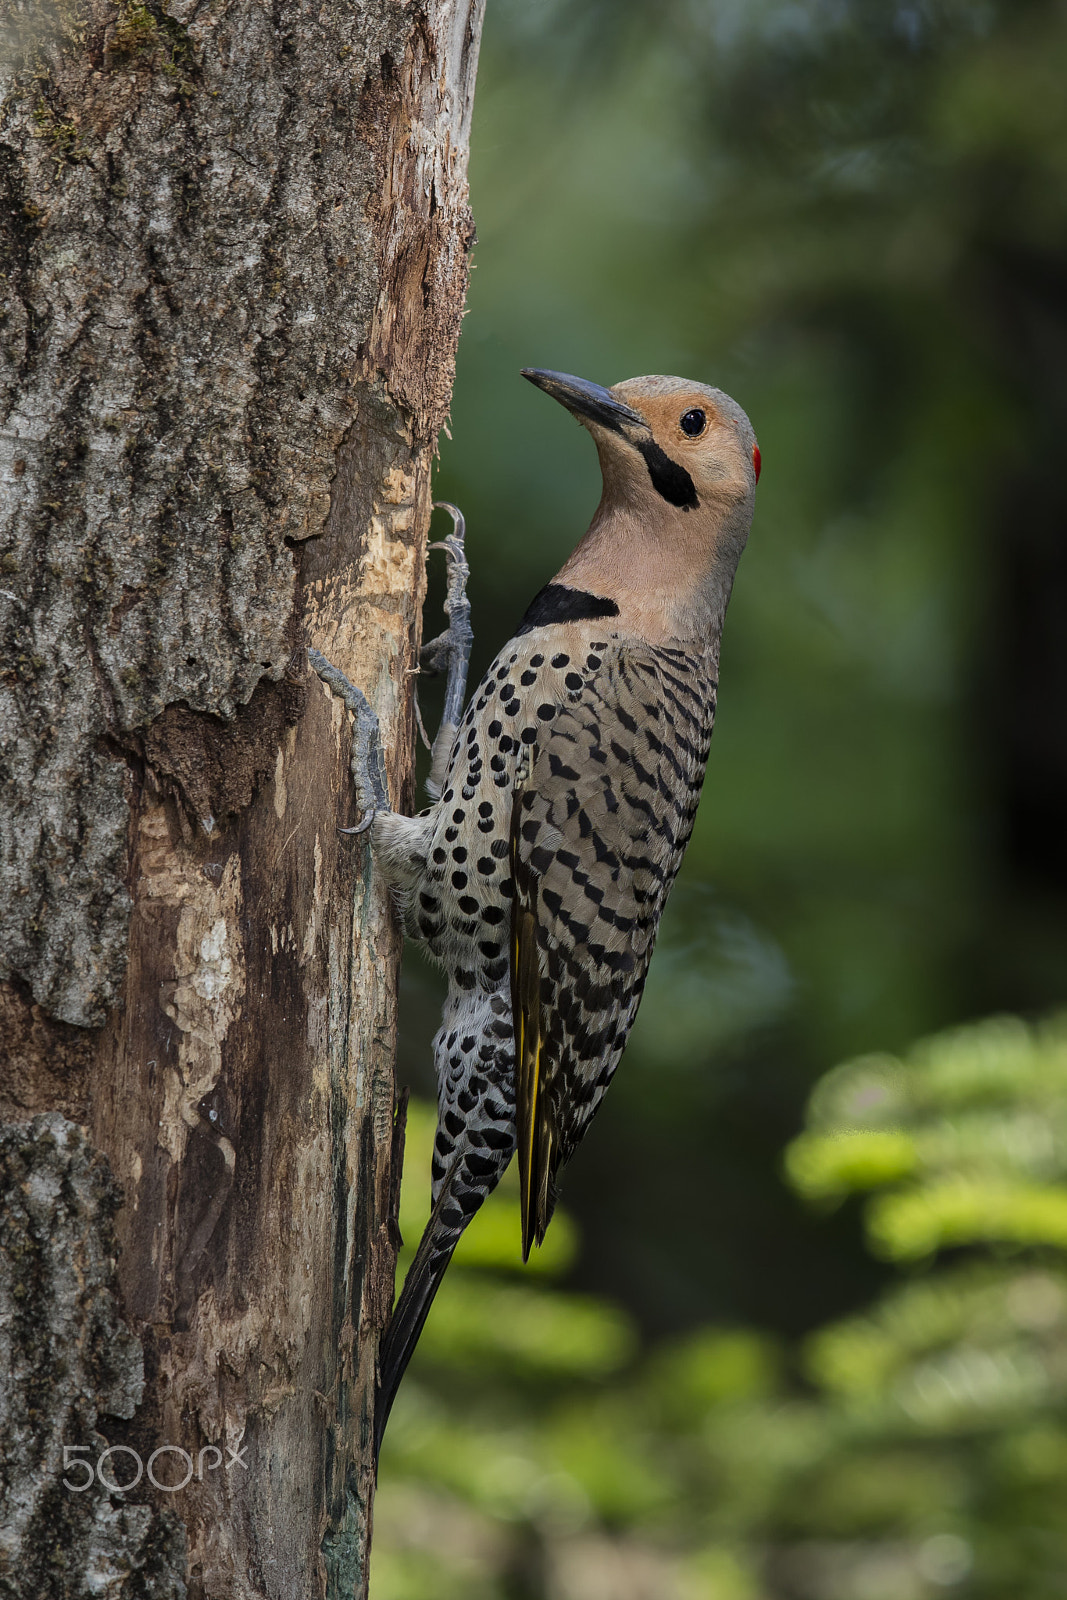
[(695, 435)]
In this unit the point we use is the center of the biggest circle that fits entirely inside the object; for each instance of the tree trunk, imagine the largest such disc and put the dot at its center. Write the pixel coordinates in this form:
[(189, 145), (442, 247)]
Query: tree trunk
[(236, 243)]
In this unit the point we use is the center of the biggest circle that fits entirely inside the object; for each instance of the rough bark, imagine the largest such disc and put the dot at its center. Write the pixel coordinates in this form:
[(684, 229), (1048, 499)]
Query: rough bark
[(235, 252)]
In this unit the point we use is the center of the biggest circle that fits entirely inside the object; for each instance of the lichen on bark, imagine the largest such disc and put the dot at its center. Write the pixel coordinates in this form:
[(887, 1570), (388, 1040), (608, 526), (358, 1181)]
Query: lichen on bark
[(67, 1360)]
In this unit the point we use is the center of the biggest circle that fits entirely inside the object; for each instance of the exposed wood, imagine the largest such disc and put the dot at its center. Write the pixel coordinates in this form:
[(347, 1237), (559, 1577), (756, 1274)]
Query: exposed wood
[(235, 254)]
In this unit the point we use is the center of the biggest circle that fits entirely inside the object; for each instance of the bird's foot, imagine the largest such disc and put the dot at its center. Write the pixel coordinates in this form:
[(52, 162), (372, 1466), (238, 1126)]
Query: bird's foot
[(368, 760), (451, 651)]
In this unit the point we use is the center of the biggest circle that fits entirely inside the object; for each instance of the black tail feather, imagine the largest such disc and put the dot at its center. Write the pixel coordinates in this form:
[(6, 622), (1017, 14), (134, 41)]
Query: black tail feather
[(435, 1251)]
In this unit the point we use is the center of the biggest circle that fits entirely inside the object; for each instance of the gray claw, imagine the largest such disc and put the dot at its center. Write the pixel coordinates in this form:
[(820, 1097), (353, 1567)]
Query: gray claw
[(368, 762), (368, 818), (451, 650)]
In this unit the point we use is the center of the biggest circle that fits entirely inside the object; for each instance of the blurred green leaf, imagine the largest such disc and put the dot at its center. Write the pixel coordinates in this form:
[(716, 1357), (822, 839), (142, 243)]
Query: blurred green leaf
[(908, 1227), (478, 1323), (712, 1368), (825, 1166)]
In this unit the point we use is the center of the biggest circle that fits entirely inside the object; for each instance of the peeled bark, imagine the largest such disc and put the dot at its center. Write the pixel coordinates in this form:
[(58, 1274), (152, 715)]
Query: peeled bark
[(235, 255)]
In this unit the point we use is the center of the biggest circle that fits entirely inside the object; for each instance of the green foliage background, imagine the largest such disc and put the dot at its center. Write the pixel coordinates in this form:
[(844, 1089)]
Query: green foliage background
[(764, 1356)]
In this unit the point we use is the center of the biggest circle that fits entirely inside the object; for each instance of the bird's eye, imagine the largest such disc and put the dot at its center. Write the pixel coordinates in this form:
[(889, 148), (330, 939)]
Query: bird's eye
[(694, 422)]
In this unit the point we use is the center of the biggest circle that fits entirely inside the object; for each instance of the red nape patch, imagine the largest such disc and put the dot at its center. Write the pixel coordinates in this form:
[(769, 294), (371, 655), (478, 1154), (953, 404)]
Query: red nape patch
[(757, 460)]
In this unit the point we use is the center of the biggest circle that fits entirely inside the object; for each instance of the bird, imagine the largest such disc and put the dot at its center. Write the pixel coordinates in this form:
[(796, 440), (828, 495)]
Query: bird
[(563, 799)]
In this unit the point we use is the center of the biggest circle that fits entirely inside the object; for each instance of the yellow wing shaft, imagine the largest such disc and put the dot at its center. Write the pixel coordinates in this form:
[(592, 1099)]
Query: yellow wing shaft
[(532, 1110)]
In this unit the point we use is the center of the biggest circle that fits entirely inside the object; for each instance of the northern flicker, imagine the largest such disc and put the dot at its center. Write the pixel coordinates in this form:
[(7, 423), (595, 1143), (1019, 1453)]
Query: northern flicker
[(567, 795)]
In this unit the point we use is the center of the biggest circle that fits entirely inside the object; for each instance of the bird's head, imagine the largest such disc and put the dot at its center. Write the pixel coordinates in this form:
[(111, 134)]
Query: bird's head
[(680, 464)]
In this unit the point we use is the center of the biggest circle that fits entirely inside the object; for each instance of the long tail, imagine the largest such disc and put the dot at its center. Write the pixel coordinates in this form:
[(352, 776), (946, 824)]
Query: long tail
[(439, 1240)]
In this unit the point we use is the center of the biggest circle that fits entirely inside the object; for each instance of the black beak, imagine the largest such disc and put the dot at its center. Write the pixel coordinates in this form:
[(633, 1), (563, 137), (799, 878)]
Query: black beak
[(590, 402)]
